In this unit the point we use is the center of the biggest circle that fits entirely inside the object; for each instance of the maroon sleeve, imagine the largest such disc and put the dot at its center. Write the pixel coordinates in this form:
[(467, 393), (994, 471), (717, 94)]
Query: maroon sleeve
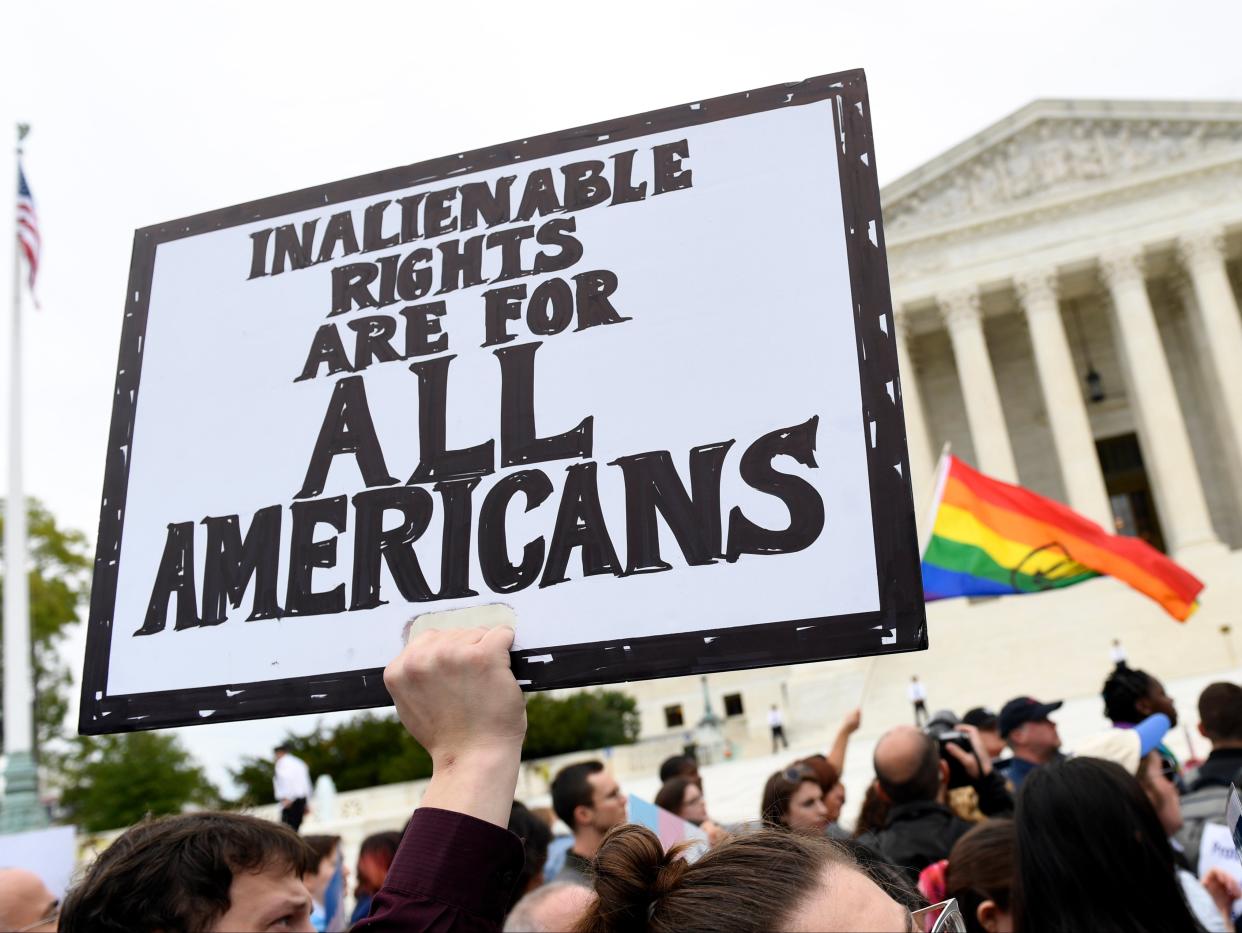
[(452, 872)]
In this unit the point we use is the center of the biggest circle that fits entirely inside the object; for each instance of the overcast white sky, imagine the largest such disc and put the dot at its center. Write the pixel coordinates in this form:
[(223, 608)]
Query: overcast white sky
[(144, 112)]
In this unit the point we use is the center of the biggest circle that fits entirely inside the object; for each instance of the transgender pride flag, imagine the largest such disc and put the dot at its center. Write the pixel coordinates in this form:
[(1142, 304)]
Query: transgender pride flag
[(671, 829)]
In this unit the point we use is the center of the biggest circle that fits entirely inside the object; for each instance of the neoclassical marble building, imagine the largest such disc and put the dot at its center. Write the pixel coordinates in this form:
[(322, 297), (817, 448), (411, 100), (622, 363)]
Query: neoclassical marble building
[(1066, 289)]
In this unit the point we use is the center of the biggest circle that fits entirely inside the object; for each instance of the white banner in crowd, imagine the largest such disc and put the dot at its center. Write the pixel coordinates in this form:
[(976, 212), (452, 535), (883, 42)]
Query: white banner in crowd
[(1217, 850), (49, 853), (636, 380)]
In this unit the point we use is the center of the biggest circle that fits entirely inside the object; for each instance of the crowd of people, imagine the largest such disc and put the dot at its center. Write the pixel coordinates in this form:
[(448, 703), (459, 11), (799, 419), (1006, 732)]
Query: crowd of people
[(974, 823)]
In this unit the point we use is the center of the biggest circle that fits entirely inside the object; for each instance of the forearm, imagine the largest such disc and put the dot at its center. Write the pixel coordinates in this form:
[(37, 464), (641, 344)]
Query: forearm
[(479, 784), (836, 754)]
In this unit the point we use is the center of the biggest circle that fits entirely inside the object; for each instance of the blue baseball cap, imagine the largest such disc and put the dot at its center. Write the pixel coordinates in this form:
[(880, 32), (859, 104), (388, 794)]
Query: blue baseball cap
[(1021, 710)]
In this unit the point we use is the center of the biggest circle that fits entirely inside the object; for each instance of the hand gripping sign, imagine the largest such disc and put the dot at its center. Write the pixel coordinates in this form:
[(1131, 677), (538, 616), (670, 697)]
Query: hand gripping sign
[(636, 380)]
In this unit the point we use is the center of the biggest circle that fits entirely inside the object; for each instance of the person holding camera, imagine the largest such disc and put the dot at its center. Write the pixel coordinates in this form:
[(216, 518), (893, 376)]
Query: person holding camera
[(914, 771)]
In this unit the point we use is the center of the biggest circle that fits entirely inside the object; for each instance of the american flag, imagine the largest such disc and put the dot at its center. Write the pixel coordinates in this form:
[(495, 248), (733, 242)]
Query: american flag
[(27, 226)]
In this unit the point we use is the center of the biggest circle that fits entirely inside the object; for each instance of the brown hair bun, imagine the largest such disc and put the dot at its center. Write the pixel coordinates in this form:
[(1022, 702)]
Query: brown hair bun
[(749, 884), (632, 872)]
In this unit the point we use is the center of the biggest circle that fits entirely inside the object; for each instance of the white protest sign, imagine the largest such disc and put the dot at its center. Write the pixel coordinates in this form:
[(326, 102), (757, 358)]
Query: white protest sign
[(636, 380), (49, 853), (1216, 850)]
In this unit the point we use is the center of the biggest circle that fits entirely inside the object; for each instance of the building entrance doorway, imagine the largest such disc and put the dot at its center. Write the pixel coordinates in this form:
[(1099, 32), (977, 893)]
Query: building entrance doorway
[(1129, 492)]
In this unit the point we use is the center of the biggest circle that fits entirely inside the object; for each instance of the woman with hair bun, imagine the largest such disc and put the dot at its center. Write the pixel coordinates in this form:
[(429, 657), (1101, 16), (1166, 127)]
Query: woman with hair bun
[(762, 881)]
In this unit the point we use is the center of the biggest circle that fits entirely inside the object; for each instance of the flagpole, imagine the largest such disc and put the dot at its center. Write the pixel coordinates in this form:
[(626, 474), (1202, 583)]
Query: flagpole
[(924, 535), (933, 503), (20, 809)]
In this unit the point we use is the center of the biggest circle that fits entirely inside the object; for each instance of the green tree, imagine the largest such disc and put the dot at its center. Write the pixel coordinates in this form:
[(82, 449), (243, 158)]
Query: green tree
[(365, 751), (111, 781), (582, 720), (59, 583), (371, 749)]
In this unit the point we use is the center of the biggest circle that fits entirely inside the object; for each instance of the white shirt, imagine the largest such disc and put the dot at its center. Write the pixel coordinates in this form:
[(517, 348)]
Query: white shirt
[(292, 779), (1117, 653), (775, 718), (916, 692)]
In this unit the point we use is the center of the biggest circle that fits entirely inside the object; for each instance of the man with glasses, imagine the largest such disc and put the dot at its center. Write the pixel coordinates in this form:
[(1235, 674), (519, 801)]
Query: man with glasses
[(589, 801), (1024, 724), (26, 904)]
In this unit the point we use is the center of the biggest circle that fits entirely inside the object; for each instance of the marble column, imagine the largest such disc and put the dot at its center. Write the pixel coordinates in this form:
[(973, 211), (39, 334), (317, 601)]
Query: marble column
[(1162, 430), (1067, 413), (961, 314), (1219, 326), (917, 442)]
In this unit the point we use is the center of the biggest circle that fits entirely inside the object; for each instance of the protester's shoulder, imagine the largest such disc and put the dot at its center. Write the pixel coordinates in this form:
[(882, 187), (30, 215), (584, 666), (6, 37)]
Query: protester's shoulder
[(837, 831), (869, 838), (1205, 802), (574, 871)]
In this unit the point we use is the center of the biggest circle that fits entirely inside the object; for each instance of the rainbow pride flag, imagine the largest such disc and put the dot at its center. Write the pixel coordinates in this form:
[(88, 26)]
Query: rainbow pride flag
[(992, 539)]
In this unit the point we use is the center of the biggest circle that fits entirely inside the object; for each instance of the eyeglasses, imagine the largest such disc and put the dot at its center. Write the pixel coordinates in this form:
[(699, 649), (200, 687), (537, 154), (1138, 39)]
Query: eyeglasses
[(945, 917), (1168, 769), (797, 774), (1233, 817), (51, 918)]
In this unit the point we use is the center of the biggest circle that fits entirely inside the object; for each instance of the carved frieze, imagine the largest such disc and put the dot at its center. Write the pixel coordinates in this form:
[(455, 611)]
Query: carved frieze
[(1053, 157)]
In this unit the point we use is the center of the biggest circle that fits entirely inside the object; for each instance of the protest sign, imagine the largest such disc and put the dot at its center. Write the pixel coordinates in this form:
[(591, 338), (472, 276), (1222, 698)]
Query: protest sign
[(637, 380), (1217, 850), (49, 853)]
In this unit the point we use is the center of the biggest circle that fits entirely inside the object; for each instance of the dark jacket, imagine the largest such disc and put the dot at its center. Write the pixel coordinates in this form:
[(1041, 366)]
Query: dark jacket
[(1222, 768), (917, 834), (921, 832)]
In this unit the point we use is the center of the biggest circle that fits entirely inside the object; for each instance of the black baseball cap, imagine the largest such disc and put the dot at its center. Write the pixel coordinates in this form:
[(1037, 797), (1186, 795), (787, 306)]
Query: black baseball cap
[(980, 717), (1022, 710)]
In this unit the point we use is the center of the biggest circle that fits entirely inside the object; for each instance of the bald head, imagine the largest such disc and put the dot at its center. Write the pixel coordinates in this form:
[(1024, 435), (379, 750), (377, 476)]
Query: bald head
[(24, 900), (907, 765), (555, 906)]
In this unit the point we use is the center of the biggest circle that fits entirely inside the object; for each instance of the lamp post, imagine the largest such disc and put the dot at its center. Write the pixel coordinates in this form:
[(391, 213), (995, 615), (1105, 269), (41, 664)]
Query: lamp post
[(709, 736)]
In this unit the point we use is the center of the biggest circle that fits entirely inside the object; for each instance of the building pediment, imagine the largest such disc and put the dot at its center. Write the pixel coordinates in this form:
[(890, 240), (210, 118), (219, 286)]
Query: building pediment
[(1052, 150)]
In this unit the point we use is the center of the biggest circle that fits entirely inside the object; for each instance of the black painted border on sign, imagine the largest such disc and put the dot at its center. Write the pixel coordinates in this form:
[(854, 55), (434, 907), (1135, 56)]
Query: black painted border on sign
[(899, 624)]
